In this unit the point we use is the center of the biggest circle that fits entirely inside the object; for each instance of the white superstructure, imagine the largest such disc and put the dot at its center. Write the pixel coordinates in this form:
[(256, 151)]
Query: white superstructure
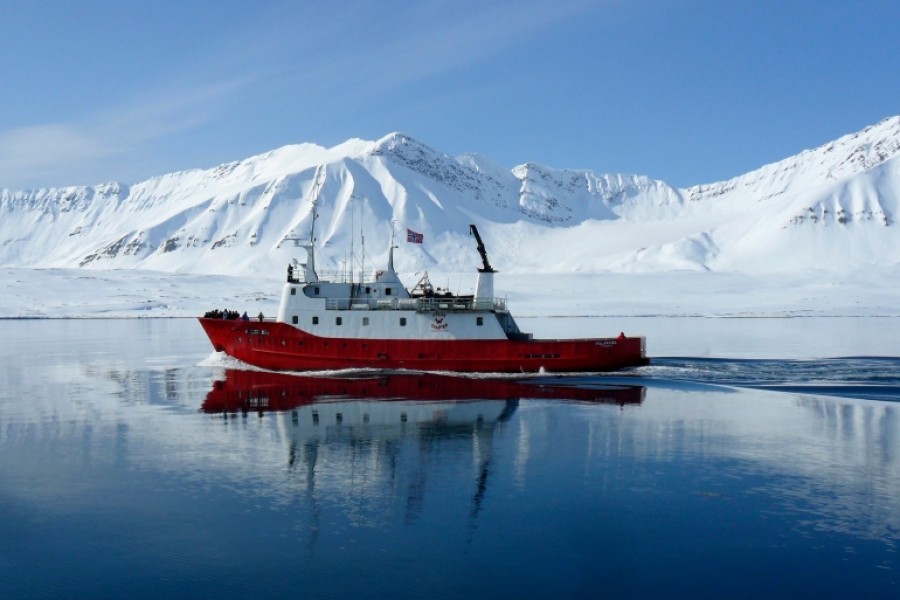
[(381, 307)]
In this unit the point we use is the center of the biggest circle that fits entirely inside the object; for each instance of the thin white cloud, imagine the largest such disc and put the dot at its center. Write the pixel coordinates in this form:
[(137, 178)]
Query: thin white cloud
[(455, 43), (103, 143), (422, 43), (168, 112), (28, 153), (348, 55)]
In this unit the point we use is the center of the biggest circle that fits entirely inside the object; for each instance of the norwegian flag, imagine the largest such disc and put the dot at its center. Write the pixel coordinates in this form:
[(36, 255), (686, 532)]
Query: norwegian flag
[(413, 237)]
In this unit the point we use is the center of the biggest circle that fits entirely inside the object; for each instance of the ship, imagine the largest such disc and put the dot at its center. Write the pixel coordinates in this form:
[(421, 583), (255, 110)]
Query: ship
[(375, 322)]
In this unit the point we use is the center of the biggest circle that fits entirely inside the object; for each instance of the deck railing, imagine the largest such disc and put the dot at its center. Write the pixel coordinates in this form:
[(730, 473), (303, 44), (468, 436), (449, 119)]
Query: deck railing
[(418, 304)]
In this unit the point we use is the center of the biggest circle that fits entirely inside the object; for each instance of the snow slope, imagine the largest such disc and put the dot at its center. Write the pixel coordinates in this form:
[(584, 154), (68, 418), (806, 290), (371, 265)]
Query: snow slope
[(830, 210)]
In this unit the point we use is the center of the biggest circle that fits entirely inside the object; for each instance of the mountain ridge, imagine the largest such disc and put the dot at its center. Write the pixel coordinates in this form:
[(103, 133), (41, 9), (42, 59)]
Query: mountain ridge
[(832, 207)]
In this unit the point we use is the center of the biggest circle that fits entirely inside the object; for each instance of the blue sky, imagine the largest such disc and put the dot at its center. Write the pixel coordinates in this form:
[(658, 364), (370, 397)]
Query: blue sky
[(688, 91)]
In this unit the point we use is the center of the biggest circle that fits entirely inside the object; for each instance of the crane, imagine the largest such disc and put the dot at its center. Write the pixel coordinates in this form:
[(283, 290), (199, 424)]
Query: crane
[(487, 266)]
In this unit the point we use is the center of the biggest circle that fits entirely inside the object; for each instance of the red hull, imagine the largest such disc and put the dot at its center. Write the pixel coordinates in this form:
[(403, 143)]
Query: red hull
[(282, 347)]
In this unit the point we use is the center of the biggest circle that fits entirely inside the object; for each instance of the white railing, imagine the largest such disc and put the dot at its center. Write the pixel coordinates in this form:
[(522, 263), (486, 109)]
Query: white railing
[(417, 304), (345, 276)]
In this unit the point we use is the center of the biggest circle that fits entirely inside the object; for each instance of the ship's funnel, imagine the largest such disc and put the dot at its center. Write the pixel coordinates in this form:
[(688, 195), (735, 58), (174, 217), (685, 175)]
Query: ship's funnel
[(484, 291)]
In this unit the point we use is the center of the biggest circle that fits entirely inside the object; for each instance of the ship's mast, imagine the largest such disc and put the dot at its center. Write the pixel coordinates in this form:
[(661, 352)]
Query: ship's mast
[(309, 267), (391, 248), (352, 260), (362, 243), (362, 237)]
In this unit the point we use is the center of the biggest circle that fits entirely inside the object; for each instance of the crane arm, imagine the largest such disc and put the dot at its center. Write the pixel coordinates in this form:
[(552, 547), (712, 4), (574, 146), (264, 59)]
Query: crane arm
[(487, 266)]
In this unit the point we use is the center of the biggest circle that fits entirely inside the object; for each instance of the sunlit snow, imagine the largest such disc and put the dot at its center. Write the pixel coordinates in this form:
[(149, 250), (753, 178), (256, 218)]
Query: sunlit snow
[(813, 234)]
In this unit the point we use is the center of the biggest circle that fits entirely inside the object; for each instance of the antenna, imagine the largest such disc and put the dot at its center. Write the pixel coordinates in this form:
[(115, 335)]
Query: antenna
[(354, 259), (352, 254)]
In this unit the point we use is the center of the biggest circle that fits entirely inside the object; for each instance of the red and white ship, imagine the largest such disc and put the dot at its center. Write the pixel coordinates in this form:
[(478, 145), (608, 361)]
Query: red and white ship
[(327, 324)]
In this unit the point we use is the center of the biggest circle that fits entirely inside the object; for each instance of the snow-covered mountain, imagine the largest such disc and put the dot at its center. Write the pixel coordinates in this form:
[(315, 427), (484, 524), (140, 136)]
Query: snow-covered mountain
[(831, 207)]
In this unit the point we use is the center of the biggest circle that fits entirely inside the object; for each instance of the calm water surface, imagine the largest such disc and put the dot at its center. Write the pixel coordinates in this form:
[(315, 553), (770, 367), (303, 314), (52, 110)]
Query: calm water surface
[(134, 463)]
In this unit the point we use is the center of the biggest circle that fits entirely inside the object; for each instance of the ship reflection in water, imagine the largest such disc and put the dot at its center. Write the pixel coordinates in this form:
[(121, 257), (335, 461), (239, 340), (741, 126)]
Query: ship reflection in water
[(261, 391), (380, 415)]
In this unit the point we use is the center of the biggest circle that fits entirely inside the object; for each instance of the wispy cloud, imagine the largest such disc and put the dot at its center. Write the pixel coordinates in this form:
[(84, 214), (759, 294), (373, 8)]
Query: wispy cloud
[(351, 55), (28, 154), (449, 44), (104, 143), (170, 111), (422, 42)]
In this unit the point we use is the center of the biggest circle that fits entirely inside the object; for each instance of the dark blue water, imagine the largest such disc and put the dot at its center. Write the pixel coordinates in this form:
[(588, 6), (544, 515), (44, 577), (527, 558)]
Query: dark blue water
[(135, 464), (869, 377)]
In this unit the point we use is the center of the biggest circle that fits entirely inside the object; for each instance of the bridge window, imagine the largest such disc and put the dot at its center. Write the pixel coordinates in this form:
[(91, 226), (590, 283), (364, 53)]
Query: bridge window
[(316, 290), (293, 291), (387, 291), (402, 321), (479, 321), (338, 321)]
